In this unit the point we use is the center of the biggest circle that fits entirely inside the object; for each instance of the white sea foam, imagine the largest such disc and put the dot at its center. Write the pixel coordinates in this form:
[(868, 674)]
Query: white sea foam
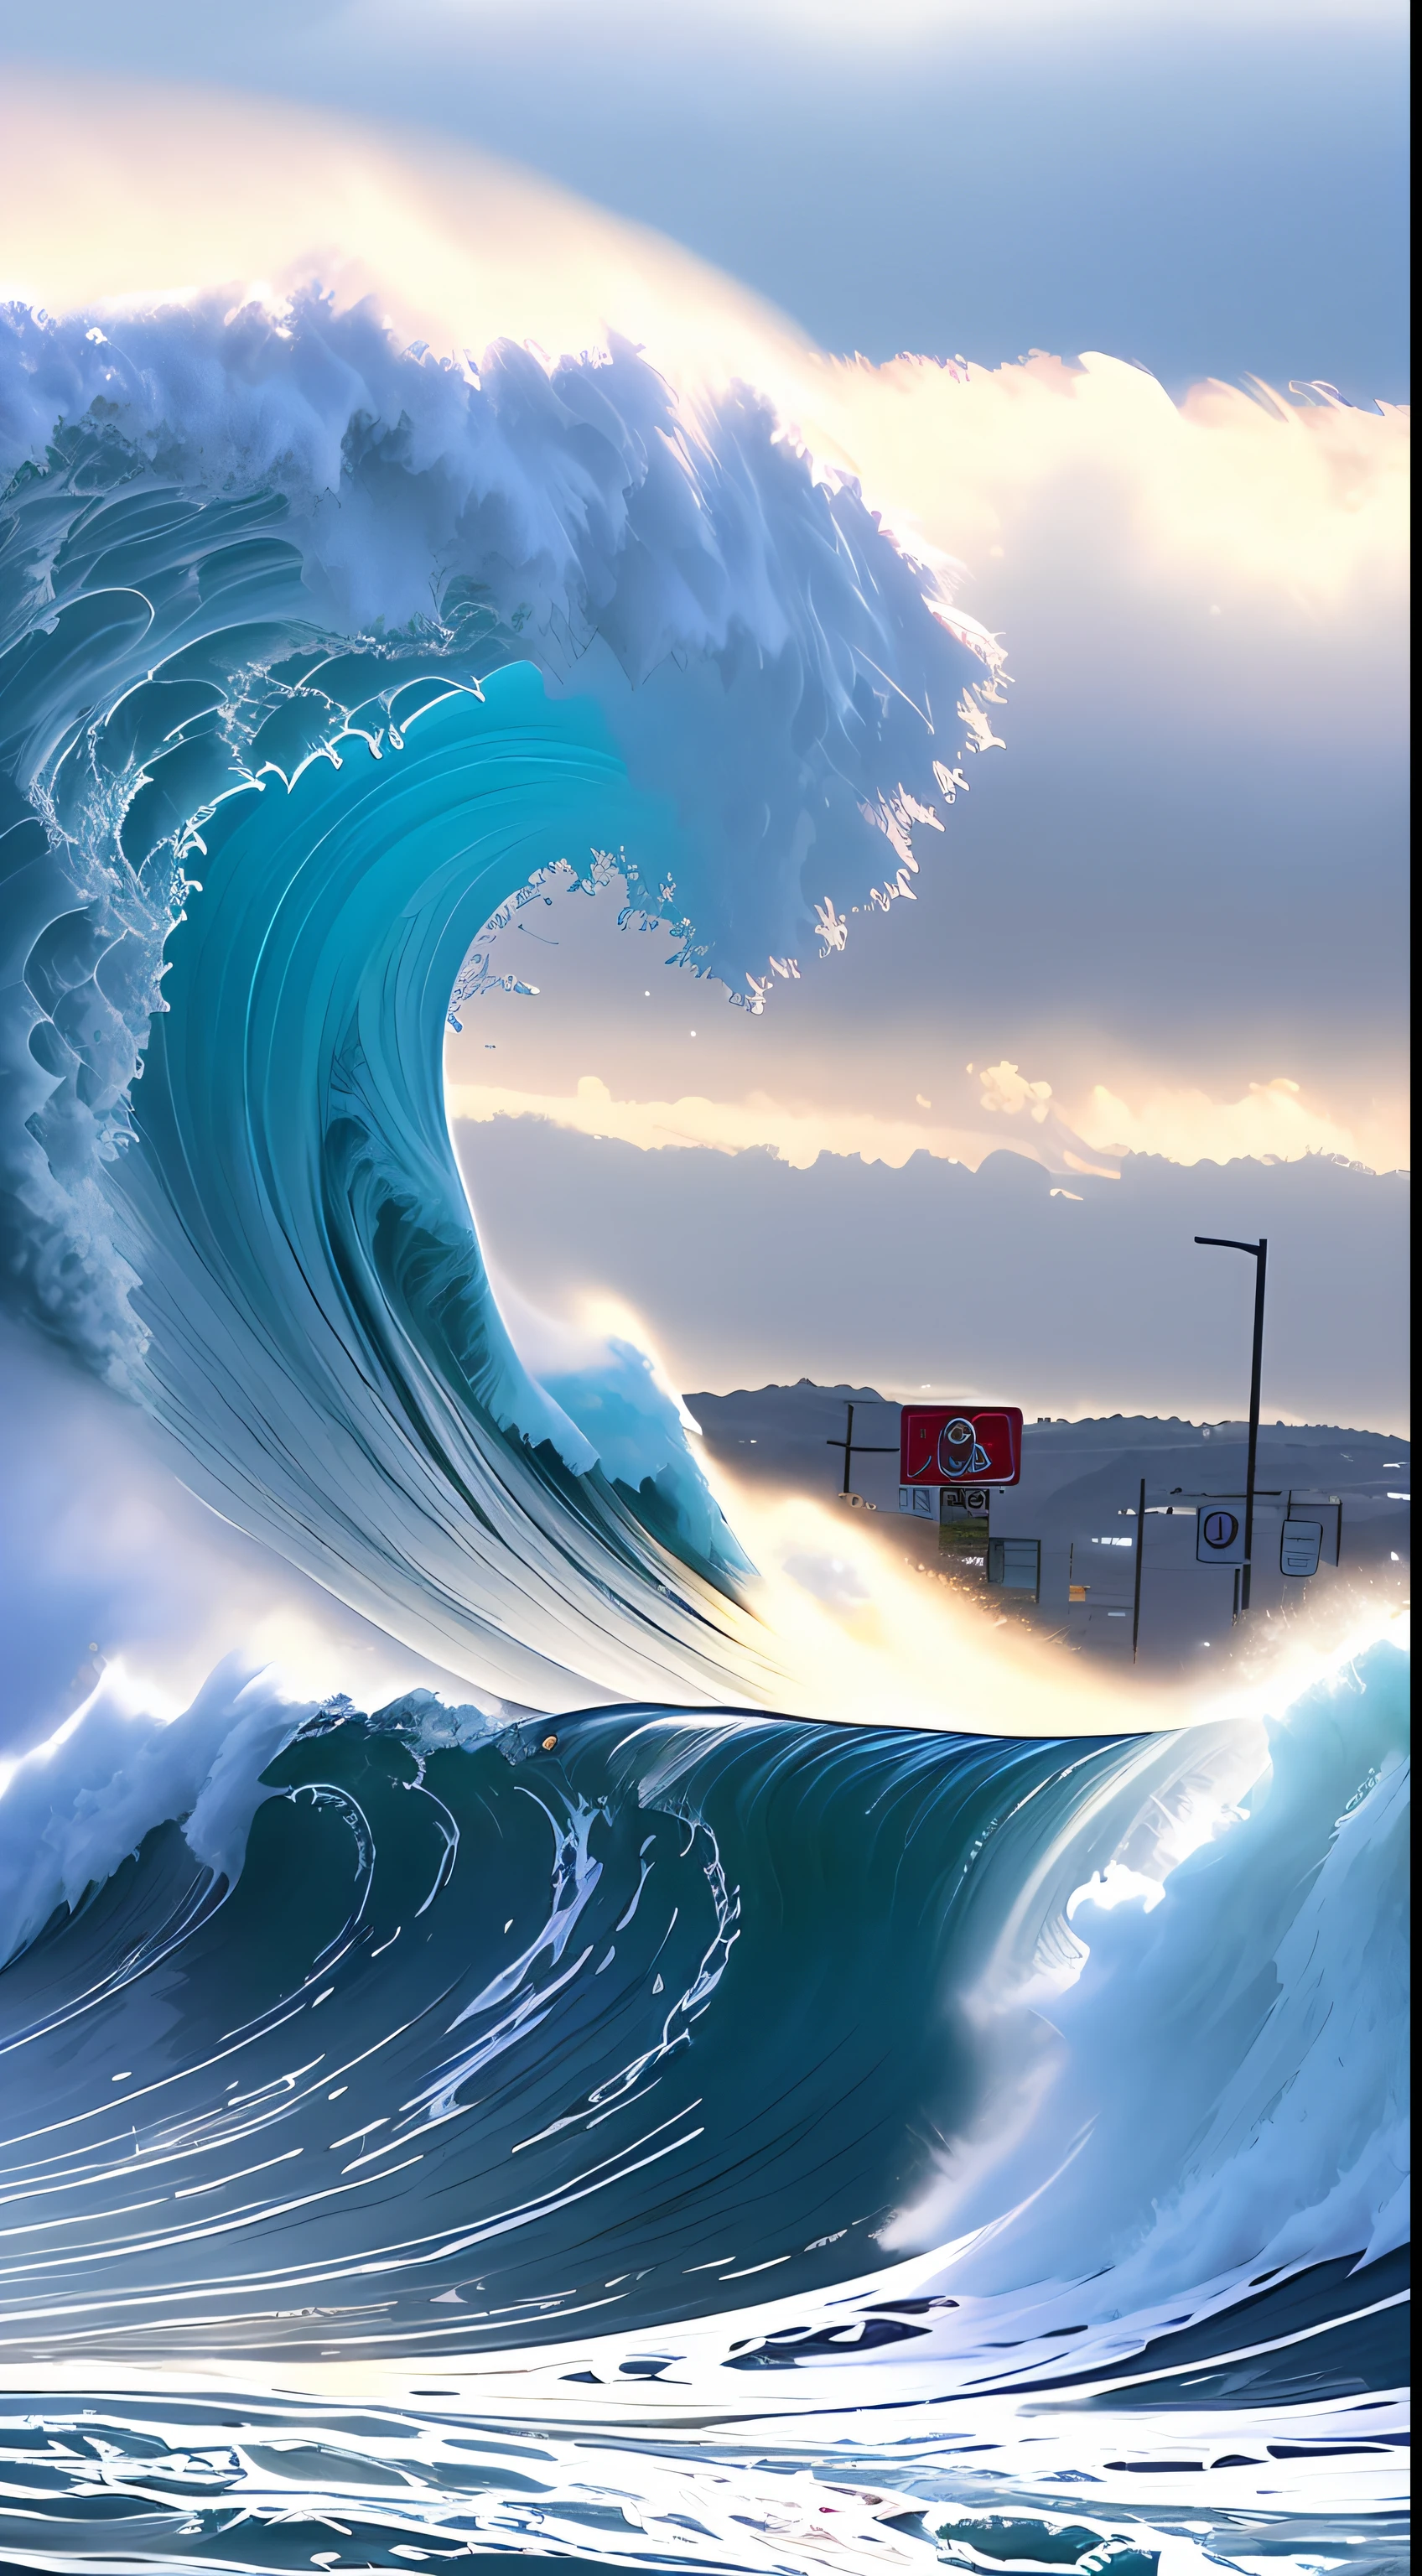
[(73, 1808), (1112, 2149)]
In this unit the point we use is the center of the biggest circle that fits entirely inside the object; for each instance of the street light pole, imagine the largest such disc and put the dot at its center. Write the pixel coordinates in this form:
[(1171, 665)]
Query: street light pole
[(1259, 1253), (848, 1444)]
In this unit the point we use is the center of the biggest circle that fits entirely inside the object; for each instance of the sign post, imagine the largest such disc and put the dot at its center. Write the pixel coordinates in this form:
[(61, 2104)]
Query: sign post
[(1259, 1254), (951, 1459), (955, 1444)]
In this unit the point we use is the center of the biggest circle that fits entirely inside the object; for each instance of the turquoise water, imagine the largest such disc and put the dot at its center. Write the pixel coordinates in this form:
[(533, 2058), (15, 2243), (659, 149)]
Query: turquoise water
[(602, 2119)]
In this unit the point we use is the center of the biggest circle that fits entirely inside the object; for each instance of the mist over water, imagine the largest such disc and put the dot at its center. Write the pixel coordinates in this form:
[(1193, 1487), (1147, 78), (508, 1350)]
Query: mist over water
[(586, 2098)]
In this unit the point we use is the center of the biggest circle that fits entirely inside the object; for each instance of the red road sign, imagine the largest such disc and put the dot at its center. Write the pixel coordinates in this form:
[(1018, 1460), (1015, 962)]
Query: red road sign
[(951, 1444)]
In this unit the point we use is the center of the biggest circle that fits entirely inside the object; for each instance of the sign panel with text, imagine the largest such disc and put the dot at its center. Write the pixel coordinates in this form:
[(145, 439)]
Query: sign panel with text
[(1300, 1545), (950, 1444), (1219, 1530)]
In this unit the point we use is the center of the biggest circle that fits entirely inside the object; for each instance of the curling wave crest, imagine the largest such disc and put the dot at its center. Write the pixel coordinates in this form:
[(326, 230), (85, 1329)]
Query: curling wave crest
[(316, 654)]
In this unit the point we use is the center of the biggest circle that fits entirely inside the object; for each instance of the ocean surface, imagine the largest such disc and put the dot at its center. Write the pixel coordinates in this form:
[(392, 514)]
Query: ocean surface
[(998, 2145)]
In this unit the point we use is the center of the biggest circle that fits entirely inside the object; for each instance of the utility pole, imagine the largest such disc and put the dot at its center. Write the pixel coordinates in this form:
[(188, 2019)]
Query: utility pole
[(859, 1448), (1140, 1569), (1259, 1254)]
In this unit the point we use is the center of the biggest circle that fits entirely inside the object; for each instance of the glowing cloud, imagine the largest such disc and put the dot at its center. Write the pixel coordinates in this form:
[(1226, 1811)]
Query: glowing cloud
[(798, 1137), (1272, 1122), (451, 247), (1230, 500)]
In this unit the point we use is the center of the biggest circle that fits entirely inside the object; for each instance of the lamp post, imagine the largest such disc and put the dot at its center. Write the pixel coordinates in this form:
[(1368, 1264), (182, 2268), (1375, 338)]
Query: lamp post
[(1259, 1254)]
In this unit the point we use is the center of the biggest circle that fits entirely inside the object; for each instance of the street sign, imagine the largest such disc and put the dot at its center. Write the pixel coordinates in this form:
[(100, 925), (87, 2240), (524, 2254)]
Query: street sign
[(1016, 1563), (1219, 1533), (943, 1502), (1299, 1546), (949, 1444), (1328, 1513)]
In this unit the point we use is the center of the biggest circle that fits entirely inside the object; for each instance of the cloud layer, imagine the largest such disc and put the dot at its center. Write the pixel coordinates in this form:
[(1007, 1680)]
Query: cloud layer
[(1271, 1123), (1001, 1284)]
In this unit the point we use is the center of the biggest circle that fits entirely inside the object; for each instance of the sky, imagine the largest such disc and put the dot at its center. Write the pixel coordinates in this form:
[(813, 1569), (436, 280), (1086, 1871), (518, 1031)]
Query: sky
[(1165, 929), (1000, 1285), (1177, 883), (1206, 190)]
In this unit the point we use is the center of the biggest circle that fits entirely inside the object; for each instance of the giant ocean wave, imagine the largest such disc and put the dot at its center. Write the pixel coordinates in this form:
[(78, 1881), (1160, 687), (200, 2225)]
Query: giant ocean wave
[(316, 654), (601, 2118)]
